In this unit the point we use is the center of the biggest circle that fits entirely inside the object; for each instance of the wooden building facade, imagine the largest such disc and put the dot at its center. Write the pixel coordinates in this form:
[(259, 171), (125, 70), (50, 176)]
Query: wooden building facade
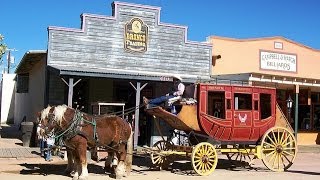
[(113, 59)]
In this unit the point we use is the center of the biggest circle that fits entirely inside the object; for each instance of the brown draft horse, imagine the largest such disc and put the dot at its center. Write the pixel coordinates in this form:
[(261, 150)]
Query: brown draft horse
[(80, 131)]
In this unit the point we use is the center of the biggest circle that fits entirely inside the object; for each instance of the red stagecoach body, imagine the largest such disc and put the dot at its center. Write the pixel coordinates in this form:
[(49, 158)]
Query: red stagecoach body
[(236, 112)]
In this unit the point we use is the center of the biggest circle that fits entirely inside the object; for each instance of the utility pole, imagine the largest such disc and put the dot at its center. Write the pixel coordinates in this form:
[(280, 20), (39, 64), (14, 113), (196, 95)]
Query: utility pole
[(9, 59)]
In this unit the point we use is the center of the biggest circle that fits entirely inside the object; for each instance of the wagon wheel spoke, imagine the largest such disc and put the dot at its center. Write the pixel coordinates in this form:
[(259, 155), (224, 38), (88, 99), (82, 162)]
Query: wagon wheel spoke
[(289, 161), (286, 144), (273, 143), (282, 136), (281, 156), (287, 138), (290, 154)]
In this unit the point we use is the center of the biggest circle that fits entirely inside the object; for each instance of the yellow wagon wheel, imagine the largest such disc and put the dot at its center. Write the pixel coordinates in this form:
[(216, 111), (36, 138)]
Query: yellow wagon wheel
[(204, 158), (158, 157), (278, 149)]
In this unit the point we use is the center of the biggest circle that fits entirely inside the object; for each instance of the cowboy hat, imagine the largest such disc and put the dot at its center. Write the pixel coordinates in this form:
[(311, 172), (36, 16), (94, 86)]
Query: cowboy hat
[(177, 77)]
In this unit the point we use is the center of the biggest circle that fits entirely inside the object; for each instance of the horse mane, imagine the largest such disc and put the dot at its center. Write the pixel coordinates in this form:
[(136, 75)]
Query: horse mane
[(45, 112), (59, 112)]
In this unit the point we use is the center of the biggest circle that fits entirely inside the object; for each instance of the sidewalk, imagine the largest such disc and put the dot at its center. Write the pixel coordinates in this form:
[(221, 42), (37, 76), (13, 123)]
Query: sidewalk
[(11, 145)]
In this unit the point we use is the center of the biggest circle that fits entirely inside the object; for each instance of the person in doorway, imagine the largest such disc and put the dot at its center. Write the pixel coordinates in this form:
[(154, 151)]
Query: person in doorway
[(175, 95), (50, 139)]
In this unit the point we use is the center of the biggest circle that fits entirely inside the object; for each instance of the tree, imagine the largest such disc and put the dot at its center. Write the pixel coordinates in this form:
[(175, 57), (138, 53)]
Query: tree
[(3, 46)]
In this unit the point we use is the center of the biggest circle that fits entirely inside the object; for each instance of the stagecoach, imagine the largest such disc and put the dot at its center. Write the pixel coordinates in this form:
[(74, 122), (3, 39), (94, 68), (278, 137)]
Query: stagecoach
[(242, 122)]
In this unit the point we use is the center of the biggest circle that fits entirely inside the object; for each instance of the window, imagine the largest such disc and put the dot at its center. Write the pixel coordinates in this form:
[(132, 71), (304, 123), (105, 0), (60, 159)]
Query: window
[(242, 101), (216, 104), (265, 105), (23, 83)]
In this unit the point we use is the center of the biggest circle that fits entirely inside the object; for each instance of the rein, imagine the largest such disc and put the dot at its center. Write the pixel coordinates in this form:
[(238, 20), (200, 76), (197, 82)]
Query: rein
[(76, 121), (127, 111)]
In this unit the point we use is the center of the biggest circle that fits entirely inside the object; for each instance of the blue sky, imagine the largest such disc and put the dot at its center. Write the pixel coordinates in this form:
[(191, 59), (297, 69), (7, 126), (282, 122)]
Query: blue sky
[(24, 22)]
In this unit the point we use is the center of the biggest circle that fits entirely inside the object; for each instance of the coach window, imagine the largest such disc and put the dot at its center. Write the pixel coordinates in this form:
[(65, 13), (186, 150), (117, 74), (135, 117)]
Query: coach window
[(242, 101), (265, 105), (216, 104)]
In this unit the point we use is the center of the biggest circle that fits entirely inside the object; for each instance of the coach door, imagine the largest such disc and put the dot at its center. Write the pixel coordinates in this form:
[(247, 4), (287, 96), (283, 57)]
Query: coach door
[(242, 113)]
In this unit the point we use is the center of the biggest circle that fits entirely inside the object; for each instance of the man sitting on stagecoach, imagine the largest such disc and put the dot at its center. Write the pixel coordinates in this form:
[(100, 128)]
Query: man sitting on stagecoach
[(171, 97)]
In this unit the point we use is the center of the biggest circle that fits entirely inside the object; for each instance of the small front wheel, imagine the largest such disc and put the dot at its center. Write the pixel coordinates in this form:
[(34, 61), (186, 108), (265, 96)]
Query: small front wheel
[(204, 158), (158, 157)]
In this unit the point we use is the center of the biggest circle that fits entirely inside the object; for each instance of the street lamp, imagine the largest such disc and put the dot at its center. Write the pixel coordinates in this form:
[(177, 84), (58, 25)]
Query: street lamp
[(289, 106)]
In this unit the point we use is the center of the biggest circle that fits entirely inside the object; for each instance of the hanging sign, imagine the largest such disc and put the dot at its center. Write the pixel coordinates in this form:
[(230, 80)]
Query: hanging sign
[(135, 36), (278, 61)]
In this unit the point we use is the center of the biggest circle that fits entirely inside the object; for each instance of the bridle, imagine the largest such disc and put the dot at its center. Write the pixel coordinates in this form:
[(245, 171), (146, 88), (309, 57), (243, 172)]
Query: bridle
[(50, 123)]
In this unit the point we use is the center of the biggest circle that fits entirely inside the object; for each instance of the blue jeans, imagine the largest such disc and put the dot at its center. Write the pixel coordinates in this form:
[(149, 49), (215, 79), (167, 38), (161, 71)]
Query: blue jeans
[(41, 145), (47, 152), (157, 101)]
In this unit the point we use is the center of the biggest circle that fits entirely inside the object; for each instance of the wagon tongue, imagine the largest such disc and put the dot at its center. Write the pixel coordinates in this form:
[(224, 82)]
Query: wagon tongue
[(172, 119)]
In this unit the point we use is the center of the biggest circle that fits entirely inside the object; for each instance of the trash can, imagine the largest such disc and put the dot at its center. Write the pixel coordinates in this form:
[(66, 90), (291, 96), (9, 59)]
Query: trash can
[(26, 128)]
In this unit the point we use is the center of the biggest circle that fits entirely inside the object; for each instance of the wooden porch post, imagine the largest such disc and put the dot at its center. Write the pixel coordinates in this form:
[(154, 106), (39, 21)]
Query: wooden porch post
[(136, 117), (296, 112), (132, 143), (70, 92), (70, 95)]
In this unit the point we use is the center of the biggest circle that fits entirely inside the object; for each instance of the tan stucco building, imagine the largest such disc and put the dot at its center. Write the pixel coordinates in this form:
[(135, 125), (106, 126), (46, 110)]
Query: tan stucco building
[(290, 67)]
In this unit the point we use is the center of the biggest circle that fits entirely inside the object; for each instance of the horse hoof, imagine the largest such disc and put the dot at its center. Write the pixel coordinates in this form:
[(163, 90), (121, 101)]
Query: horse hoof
[(72, 173), (83, 178), (118, 176)]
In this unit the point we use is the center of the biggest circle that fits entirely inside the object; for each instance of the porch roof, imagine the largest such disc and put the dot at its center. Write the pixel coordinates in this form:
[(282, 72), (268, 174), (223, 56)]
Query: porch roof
[(120, 74), (29, 59)]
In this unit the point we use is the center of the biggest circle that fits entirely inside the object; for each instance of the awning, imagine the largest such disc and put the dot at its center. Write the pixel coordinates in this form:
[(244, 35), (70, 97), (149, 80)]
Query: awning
[(121, 74)]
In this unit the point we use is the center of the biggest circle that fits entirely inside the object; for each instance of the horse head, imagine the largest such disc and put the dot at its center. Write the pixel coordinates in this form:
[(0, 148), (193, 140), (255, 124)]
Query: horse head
[(47, 120)]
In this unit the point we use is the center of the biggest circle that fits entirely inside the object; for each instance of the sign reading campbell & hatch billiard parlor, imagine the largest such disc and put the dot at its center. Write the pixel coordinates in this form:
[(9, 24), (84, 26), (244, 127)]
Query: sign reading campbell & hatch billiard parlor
[(136, 36)]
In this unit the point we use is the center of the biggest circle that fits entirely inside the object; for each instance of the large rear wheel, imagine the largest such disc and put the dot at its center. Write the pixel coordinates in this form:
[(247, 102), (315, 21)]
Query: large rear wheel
[(204, 158), (278, 149)]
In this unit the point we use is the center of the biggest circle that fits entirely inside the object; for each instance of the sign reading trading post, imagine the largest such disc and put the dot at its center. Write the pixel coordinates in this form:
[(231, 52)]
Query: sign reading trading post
[(135, 36)]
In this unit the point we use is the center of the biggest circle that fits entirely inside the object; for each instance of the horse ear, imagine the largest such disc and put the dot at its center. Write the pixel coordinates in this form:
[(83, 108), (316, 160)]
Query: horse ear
[(38, 117)]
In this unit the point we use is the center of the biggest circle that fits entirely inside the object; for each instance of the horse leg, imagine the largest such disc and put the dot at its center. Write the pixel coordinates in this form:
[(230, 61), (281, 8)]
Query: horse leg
[(83, 163), (121, 168), (70, 167), (108, 162), (77, 169)]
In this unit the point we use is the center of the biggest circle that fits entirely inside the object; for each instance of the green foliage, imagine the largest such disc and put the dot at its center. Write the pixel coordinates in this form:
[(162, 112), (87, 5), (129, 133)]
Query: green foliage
[(3, 47)]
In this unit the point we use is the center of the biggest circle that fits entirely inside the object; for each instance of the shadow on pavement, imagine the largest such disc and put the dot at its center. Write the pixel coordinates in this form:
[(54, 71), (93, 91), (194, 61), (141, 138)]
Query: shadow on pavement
[(55, 169), (183, 166), (304, 172)]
